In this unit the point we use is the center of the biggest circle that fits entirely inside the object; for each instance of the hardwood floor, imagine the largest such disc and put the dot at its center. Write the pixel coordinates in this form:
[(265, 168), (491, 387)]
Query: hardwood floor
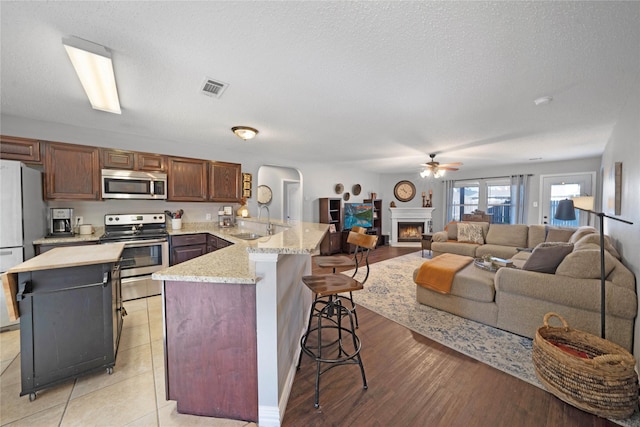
[(414, 381)]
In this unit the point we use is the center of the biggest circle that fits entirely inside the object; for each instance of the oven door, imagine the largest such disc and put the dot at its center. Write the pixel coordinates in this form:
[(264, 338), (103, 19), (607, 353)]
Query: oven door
[(139, 260)]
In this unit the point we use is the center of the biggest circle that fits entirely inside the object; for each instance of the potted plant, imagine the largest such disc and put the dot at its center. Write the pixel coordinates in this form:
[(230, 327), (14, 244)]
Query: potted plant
[(487, 260)]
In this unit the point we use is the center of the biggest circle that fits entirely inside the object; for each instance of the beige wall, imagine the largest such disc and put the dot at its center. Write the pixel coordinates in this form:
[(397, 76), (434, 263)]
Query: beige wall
[(624, 146)]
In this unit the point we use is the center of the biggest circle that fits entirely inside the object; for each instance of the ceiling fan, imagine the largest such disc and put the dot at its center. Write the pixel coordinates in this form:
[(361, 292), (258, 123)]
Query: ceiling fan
[(436, 168)]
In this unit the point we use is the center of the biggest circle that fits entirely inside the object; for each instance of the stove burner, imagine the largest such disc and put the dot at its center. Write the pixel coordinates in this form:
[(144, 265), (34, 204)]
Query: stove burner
[(134, 227)]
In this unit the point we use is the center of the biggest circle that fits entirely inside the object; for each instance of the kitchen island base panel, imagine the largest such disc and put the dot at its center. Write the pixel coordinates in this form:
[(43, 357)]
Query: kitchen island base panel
[(69, 325), (210, 349)]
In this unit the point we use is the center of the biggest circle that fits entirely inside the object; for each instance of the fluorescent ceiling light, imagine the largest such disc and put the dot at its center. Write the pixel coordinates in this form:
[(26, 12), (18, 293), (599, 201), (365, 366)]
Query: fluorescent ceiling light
[(93, 65)]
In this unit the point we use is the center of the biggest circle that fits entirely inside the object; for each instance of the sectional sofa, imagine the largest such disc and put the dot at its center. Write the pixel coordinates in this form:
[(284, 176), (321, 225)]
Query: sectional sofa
[(516, 299)]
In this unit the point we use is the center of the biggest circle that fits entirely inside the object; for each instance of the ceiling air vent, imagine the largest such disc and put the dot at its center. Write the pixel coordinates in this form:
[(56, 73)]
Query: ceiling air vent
[(211, 87)]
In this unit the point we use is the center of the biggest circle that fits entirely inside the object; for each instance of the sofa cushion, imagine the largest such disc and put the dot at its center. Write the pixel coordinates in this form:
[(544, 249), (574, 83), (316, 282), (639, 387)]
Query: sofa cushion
[(585, 264), (508, 235), (499, 251), (559, 234), (546, 257), (581, 232), (453, 247), (470, 233), (595, 239)]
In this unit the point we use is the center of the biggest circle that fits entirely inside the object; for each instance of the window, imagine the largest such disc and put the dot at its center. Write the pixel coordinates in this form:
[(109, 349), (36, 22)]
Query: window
[(492, 196), (498, 201), (465, 199)]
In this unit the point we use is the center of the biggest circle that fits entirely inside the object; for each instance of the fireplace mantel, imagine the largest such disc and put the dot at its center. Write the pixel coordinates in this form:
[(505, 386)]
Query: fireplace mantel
[(408, 215)]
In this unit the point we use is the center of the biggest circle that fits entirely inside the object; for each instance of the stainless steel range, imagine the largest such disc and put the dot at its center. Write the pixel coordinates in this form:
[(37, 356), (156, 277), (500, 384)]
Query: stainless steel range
[(146, 251)]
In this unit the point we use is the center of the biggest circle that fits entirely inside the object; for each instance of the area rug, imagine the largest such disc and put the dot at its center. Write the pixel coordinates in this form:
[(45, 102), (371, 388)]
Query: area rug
[(390, 292)]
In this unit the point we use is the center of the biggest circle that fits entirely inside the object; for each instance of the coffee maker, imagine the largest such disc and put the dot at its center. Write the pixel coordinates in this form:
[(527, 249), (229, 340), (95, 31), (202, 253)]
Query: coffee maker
[(60, 222)]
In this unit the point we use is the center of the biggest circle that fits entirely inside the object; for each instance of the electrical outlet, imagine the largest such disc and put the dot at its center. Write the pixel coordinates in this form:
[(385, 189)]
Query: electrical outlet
[(208, 217), (79, 220)]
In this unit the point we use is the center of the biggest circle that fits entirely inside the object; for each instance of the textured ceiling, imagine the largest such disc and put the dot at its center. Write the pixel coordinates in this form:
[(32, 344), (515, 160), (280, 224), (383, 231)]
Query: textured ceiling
[(377, 85)]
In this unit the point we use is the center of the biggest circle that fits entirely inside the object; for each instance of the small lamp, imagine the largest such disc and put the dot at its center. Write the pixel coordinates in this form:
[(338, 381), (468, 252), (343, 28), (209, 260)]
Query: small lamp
[(566, 212)]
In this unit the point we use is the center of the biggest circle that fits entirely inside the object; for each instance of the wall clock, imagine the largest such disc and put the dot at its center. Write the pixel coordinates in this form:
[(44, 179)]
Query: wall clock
[(404, 191), (264, 194)]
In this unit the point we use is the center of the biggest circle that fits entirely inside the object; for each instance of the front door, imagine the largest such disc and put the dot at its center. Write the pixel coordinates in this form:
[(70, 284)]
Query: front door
[(560, 187)]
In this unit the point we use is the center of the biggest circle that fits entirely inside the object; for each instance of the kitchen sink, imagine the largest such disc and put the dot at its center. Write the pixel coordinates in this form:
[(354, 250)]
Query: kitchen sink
[(247, 236)]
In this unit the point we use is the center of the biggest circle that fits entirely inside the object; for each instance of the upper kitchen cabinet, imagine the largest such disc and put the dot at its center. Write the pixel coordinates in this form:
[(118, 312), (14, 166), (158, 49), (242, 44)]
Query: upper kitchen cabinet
[(130, 160), (22, 149), (225, 182), (187, 180), (72, 172)]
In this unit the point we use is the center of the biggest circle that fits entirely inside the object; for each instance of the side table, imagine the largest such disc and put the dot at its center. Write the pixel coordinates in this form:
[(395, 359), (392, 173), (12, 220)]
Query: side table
[(426, 243)]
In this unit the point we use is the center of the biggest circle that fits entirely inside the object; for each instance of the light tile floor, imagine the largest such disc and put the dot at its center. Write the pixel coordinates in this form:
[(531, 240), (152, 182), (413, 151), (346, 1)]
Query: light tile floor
[(133, 395)]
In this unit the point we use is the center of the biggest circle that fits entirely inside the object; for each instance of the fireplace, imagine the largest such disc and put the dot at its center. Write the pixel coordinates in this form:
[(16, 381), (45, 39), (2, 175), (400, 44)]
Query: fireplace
[(410, 231), (415, 221)]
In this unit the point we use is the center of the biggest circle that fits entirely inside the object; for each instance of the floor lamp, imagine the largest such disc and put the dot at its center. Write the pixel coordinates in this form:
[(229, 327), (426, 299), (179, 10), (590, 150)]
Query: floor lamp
[(566, 212)]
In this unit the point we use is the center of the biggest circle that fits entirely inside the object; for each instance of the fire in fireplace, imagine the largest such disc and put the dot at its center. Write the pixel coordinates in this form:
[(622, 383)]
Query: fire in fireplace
[(410, 231)]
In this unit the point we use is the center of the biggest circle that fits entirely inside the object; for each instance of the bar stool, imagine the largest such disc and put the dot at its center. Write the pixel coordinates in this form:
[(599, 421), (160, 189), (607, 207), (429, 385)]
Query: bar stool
[(343, 346), (353, 261)]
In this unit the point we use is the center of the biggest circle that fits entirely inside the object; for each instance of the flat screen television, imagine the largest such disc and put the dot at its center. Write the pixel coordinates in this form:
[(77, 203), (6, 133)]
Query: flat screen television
[(360, 214)]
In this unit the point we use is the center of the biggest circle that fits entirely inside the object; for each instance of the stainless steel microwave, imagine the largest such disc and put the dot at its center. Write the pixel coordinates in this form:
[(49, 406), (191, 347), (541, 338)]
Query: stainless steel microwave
[(124, 184)]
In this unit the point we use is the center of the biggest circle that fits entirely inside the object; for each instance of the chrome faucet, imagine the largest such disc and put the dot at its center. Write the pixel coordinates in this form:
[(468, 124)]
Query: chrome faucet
[(269, 225)]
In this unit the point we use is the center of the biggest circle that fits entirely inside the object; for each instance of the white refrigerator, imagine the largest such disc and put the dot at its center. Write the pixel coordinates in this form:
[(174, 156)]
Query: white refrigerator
[(23, 219)]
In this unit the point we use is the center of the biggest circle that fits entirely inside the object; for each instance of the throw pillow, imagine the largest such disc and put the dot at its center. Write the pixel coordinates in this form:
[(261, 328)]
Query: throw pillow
[(546, 257), (581, 232), (555, 234), (470, 233), (452, 230)]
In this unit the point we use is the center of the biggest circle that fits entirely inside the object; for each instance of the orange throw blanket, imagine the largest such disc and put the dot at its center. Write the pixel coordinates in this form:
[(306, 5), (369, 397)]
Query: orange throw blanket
[(437, 274)]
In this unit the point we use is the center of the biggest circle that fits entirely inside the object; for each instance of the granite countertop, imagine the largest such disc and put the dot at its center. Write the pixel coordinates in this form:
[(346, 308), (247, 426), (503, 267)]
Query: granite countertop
[(71, 256), (77, 238), (231, 264)]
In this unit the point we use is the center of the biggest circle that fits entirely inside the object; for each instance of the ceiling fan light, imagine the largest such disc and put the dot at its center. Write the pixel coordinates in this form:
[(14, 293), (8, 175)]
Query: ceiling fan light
[(245, 132), (425, 173)]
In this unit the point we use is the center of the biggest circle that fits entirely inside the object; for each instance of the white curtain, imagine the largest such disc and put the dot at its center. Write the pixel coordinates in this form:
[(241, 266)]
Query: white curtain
[(448, 202), (519, 198)]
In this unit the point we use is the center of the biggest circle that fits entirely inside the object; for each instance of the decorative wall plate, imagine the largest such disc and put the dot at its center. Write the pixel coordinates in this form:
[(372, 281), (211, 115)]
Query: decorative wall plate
[(356, 189), (339, 188), (346, 196), (264, 194)]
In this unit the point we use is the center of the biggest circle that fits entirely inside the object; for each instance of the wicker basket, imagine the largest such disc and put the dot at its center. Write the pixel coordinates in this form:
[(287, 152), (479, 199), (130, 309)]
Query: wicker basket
[(605, 384)]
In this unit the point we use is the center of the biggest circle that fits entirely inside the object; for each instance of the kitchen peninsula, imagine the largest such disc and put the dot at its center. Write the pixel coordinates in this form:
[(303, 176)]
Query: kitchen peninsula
[(233, 320)]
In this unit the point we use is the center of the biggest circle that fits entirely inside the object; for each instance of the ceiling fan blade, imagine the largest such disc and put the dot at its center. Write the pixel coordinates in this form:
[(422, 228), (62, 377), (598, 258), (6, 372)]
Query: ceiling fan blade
[(450, 164), (448, 168)]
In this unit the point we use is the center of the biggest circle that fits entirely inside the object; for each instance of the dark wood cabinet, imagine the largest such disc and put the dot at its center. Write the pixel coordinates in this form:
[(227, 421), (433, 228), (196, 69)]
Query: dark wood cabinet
[(72, 172), (377, 219), (210, 355), (331, 213), (117, 159), (22, 149), (131, 160), (214, 243), (225, 182), (187, 246), (150, 162), (187, 180)]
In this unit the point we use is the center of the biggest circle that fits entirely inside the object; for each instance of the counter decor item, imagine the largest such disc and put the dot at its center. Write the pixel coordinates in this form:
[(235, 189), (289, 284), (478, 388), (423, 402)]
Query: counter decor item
[(243, 211), (586, 371), (86, 229), (176, 218)]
